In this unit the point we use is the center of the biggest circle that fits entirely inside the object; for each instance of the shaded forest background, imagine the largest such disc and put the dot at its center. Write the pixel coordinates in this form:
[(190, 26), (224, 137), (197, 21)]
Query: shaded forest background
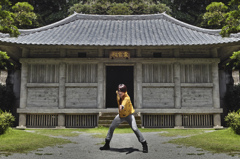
[(50, 11)]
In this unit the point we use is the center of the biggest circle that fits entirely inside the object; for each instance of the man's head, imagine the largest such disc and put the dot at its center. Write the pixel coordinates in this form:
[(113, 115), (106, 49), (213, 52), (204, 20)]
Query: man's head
[(122, 89)]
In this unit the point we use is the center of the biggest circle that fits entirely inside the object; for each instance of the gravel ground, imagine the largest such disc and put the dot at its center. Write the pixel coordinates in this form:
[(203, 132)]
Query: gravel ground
[(122, 145)]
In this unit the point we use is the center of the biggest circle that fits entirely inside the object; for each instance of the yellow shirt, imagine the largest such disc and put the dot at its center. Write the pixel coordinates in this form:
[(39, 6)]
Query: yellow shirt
[(128, 108)]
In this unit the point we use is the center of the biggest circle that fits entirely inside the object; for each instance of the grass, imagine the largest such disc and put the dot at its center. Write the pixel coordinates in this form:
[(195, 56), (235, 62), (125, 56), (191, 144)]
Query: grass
[(19, 141), (221, 141), (100, 132), (57, 132), (182, 132)]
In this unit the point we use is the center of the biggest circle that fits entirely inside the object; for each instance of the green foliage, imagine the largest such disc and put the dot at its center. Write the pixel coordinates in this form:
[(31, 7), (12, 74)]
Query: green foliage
[(10, 19), (23, 13), (235, 60), (232, 98), (215, 14), (119, 7), (7, 97), (3, 60), (233, 120), (222, 16), (6, 120)]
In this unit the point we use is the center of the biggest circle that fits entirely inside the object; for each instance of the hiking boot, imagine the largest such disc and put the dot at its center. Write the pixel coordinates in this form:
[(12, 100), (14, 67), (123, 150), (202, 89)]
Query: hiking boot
[(106, 146), (145, 147)]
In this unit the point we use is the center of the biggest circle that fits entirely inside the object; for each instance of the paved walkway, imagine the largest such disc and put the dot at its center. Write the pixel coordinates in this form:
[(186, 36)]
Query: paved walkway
[(122, 146)]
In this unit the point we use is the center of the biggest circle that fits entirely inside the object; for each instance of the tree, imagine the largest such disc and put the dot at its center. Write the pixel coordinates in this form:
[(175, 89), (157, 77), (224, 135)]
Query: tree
[(120, 7), (226, 17), (11, 17), (3, 60)]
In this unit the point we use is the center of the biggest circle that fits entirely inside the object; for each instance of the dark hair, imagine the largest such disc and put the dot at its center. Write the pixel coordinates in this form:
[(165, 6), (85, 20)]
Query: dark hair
[(122, 88)]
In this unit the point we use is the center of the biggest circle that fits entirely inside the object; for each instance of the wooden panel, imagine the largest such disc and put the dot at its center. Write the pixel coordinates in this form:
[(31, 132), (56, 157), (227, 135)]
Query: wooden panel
[(158, 121), (158, 97), (84, 97), (197, 120), (47, 73), (41, 120), (197, 97), (81, 73), (196, 73), (80, 121), (157, 73), (42, 97)]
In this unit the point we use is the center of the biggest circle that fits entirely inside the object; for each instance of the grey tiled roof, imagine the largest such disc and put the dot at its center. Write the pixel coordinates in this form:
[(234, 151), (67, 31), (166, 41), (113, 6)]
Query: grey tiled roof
[(121, 30)]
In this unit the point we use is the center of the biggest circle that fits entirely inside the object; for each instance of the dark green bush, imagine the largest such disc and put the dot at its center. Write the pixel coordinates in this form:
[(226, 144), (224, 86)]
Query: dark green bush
[(233, 120), (6, 120), (7, 98), (232, 98)]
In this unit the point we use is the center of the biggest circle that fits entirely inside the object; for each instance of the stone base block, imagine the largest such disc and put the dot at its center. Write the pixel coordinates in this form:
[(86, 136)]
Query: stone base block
[(60, 127), (179, 127), (21, 127), (218, 127)]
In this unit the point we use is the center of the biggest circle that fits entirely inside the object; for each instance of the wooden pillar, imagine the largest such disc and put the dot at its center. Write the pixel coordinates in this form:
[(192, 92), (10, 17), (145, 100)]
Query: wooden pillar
[(62, 89), (215, 80), (178, 121), (62, 94), (216, 96), (23, 92), (177, 86), (139, 86), (100, 53), (22, 121), (214, 52), (63, 53), (176, 53), (100, 85), (61, 121), (217, 121), (177, 92), (139, 54), (25, 52)]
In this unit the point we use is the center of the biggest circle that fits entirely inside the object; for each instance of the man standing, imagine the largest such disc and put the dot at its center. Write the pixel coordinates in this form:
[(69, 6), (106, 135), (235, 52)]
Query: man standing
[(126, 111)]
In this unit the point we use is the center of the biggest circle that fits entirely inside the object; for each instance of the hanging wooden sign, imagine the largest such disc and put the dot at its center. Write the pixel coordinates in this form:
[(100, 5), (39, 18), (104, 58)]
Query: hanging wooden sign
[(119, 55)]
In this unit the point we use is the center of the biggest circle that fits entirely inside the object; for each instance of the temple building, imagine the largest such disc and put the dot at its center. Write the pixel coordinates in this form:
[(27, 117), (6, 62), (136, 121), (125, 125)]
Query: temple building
[(70, 70)]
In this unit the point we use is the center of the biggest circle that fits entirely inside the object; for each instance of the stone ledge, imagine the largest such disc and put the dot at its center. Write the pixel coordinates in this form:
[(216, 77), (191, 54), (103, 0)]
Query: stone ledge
[(142, 111)]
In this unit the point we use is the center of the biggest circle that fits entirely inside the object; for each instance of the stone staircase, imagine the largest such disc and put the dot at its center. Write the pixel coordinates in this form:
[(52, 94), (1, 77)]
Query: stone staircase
[(105, 120)]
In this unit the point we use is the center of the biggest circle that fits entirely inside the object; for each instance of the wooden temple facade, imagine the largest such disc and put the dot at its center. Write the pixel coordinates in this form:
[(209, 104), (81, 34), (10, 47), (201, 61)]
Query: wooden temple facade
[(70, 70)]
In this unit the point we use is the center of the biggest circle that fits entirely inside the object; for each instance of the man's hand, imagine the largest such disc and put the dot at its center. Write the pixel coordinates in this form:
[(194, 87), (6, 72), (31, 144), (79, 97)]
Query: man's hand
[(121, 107)]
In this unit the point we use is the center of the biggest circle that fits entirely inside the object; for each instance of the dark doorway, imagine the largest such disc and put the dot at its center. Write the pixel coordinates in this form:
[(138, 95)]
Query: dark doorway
[(118, 75)]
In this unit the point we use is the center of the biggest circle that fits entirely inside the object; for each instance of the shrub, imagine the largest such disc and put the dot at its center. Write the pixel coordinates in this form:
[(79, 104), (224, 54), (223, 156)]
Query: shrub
[(232, 98), (7, 98), (6, 120), (233, 120)]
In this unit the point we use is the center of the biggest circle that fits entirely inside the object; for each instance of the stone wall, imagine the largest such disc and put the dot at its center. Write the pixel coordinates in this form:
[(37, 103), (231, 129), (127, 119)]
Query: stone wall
[(3, 77), (175, 86)]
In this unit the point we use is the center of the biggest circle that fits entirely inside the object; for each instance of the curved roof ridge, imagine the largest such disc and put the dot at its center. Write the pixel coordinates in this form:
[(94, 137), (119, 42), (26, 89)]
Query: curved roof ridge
[(58, 23), (209, 31), (119, 17), (77, 16)]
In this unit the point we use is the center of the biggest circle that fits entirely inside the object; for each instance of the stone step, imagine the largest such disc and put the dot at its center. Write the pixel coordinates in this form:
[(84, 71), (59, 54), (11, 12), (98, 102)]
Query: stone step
[(112, 117), (119, 126), (109, 114), (106, 119), (110, 121)]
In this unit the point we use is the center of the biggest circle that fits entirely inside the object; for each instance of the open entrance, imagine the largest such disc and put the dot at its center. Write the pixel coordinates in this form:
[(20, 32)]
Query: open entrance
[(118, 75)]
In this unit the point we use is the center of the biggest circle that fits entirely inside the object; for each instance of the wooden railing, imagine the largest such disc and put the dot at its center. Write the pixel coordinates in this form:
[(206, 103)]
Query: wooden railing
[(42, 120), (197, 120), (80, 121), (158, 121)]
